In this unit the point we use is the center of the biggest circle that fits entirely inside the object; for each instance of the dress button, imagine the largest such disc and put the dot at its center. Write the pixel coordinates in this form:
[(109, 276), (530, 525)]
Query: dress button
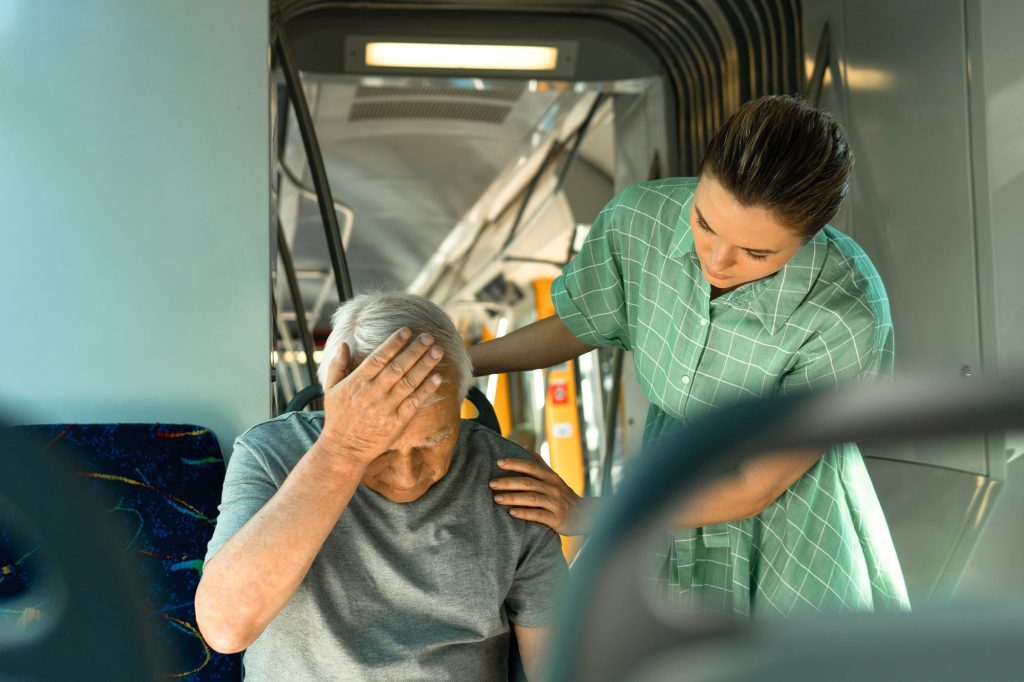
[(703, 322), (686, 380)]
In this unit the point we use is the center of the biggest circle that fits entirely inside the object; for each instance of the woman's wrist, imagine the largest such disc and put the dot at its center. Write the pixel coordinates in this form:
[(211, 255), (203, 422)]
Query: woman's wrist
[(583, 515), (478, 356)]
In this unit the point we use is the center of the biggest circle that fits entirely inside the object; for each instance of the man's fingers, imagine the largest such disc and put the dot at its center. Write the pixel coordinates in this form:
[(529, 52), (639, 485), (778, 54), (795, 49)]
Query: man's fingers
[(410, 367), (385, 353), (417, 374), (415, 401), (338, 369)]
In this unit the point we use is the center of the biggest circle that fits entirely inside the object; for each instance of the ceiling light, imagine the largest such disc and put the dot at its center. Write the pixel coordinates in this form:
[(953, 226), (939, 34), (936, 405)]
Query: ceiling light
[(455, 56)]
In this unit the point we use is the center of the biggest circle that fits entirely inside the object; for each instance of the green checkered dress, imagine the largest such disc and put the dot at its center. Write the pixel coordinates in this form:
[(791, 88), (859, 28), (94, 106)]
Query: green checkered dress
[(823, 319)]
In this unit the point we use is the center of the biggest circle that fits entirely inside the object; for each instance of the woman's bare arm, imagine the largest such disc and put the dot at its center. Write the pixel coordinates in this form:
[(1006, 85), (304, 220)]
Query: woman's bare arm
[(747, 491), (542, 344), (540, 495)]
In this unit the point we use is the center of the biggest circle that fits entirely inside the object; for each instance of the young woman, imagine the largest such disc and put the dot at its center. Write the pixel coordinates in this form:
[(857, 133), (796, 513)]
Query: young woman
[(726, 286)]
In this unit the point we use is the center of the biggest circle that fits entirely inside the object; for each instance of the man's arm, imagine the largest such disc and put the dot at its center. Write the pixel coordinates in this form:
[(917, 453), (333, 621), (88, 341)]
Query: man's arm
[(532, 649), (532, 600), (251, 578)]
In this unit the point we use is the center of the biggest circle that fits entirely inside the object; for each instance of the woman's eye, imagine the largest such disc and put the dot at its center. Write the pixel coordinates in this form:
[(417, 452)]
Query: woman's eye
[(703, 226), (756, 256)]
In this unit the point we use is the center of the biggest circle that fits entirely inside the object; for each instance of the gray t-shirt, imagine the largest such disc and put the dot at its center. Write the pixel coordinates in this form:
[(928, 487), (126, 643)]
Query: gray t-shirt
[(418, 591)]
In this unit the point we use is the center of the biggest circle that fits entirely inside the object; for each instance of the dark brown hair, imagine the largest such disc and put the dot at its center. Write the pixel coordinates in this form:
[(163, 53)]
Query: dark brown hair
[(781, 154)]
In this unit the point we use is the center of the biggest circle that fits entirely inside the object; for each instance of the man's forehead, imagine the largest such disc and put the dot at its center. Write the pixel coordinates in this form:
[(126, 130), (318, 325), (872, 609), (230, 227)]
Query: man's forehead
[(439, 436), (432, 424)]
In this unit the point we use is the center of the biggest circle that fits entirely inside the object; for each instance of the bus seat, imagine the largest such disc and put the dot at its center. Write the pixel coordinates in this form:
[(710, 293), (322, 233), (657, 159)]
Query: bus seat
[(160, 485)]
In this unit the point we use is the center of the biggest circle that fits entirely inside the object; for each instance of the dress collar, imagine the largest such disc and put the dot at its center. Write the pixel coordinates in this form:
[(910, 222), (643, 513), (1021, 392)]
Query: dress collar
[(682, 237), (773, 300), (787, 289)]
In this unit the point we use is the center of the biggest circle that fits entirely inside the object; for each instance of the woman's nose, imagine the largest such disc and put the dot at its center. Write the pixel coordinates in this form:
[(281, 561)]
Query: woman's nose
[(721, 258)]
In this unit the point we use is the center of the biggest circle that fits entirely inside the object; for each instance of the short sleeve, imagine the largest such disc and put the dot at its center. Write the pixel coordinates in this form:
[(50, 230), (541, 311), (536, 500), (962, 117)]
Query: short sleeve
[(855, 347), (247, 487), (589, 294), (540, 574)]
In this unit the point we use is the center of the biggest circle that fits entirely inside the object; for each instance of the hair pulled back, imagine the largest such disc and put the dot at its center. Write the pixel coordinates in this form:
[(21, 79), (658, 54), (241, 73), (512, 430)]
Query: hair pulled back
[(782, 154)]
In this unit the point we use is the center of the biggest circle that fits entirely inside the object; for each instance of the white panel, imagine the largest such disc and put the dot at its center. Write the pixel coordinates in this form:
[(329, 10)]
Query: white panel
[(997, 97), (900, 90), (134, 185)]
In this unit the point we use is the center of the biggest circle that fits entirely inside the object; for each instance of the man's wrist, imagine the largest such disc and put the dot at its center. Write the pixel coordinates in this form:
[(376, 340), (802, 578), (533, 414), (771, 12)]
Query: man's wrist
[(341, 459)]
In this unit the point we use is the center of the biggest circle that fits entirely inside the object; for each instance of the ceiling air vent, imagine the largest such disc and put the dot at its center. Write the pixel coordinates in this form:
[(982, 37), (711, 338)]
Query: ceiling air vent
[(449, 104)]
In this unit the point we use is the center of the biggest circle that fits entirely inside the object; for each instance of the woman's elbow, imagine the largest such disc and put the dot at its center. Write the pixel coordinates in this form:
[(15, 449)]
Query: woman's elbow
[(762, 499)]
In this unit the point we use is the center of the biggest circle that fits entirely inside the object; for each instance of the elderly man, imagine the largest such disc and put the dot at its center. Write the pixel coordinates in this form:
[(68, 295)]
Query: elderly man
[(363, 542)]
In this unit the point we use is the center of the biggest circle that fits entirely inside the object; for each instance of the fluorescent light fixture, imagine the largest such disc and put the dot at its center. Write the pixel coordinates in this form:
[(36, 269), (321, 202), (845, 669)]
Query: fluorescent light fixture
[(455, 56)]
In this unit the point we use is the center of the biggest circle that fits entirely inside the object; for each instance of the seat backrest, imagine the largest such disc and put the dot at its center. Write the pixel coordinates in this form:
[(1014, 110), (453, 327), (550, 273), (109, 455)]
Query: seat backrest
[(485, 411), (160, 485)]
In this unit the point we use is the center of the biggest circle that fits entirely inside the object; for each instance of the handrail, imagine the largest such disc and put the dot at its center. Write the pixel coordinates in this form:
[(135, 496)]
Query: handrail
[(321, 182), (606, 577), (528, 193), (308, 345), (309, 192), (611, 421), (580, 133), (523, 197), (577, 138), (814, 86)]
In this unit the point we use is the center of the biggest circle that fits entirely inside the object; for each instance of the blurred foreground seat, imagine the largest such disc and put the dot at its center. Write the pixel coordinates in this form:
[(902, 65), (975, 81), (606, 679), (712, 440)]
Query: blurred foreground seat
[(160, 485)]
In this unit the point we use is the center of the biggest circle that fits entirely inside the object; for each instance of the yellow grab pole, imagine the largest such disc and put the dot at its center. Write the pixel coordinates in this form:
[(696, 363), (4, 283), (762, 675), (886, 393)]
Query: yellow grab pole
[(561, 419), (502, 402)]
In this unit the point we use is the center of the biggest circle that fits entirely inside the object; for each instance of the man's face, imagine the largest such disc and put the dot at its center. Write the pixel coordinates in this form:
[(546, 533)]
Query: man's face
[(422, 454)]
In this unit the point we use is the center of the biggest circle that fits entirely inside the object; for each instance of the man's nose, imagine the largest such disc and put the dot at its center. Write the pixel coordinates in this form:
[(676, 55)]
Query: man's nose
[(404, 469)]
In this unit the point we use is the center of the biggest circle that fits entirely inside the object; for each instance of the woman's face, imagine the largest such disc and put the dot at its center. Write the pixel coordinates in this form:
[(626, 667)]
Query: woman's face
[(737, 244)]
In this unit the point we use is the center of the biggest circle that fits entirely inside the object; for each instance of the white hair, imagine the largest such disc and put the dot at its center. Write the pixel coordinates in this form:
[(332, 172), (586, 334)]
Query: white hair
[(366, 321)]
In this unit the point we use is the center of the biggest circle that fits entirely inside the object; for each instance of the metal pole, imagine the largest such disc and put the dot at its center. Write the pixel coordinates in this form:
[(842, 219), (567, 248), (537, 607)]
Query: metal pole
[(611, 421), (556, 147), (812, 91), (581, 132), (300, 308), (321, 182)]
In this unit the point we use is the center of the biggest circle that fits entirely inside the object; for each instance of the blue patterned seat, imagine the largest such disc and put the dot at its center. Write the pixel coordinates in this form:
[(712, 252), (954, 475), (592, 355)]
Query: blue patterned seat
[(160, 485)]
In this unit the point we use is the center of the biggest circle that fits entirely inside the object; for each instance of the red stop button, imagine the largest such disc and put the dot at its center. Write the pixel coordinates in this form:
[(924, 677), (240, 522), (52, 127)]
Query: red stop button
[(559, 393)]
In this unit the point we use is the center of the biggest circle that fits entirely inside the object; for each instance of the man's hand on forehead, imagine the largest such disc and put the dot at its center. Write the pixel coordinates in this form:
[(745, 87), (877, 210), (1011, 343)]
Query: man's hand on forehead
[(366, 407)]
